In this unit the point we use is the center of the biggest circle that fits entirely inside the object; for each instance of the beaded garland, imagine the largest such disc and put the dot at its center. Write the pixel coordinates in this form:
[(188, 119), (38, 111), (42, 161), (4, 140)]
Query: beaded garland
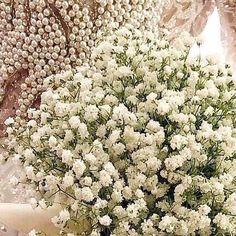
[(43, 37)]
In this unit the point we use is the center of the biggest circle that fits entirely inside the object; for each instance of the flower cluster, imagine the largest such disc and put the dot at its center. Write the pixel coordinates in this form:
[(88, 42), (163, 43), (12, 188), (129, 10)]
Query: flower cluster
[(142, 142)]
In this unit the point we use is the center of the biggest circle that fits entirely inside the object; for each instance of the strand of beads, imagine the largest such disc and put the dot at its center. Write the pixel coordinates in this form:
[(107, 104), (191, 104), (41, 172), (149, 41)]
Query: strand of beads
[(49, 36)]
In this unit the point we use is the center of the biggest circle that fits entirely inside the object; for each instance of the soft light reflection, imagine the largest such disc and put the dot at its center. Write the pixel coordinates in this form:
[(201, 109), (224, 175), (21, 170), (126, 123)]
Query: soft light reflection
[(211, 38), (211, 35)]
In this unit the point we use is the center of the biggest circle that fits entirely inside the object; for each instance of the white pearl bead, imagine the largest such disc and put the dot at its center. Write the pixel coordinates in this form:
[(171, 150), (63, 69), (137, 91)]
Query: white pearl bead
[(41, 31), (98, 23), (17, 65), (48, 28), (18, 112), (72, 13), (34, 91), (26, 102), (86, 18), (39, 87), (46, 12), (31, 97), (82, 25), (21, 101), (43, 73), (85, 11), (24, 94), (67, 18), (27, 81)]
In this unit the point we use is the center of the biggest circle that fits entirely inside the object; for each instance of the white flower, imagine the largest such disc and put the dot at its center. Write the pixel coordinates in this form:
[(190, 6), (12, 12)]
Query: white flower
[(178, 141), (101, 131), (123, 71), (32, 123), (61, 109), (105, 178), (209, 111), (142, 123), (163, 107), (85, 84), (168, 70), (42, 204), (52, 141), (105, 220), (152, 96), (87, 194), (67, 157), (131, 52), (61, 220), (133, 211), (223, 221), (217, 188), (52, 182), (109, 167), (90, 158), (74, 122), (180, 118), (69, 136), (105, 110), (44, 117), (9, 121), (29, 154), (115, 135), (68, 180), (64, 215), (79, 167), (230, 204), (91, 113), (87, 181), (204, 210), (83, 131), (32, 233), (116, 196), (153, 163), (168, 224)]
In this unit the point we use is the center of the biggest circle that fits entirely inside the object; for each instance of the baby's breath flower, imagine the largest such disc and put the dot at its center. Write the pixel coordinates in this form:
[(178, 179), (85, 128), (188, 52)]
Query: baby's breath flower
[(141, 141), (105, 220)]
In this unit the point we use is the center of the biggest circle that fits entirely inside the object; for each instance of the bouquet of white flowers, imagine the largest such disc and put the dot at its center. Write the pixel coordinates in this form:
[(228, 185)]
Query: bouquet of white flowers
[(142, 142)]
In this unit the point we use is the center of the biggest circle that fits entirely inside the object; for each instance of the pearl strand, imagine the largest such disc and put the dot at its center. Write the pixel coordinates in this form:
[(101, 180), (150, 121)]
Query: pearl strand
[(50, 36)]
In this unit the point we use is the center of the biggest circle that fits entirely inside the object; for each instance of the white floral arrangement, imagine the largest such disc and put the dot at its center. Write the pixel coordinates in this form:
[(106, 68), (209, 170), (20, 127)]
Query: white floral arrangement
[(143, 142)]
